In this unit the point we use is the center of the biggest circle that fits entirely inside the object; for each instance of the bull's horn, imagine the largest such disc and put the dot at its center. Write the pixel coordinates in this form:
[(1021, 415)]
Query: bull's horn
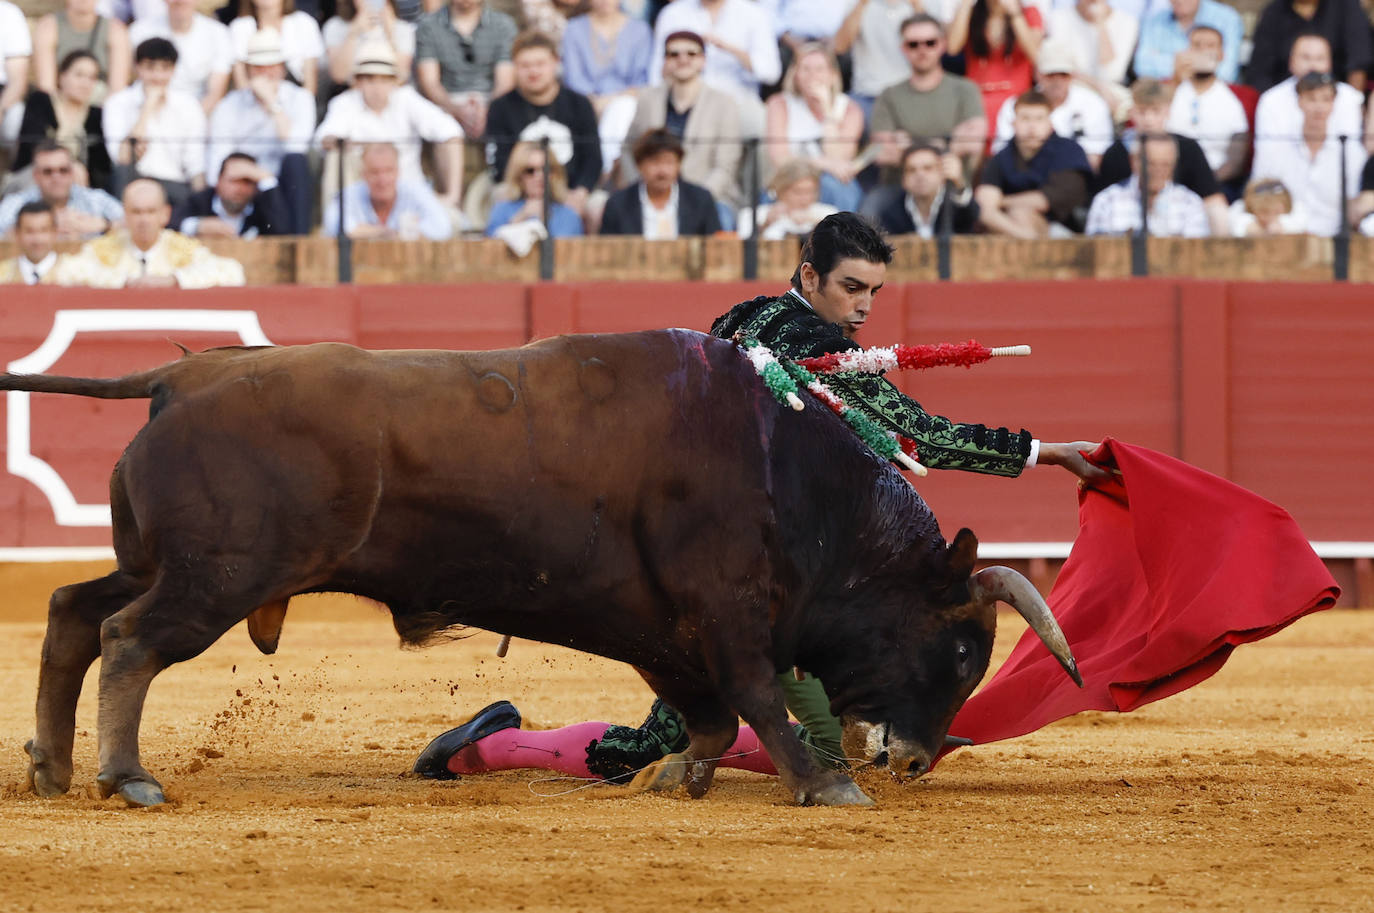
[(1016, 591)]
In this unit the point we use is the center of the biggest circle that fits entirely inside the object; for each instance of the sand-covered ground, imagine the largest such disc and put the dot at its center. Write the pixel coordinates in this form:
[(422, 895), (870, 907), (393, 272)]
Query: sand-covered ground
[(288, 792)]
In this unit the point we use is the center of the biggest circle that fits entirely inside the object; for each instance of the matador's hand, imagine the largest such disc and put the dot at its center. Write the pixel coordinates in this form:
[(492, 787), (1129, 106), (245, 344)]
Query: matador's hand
[(1071, 458)]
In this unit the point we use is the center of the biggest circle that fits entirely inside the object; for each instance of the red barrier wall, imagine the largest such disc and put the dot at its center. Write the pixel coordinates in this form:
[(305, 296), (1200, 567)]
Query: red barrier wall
[(1267, 384)]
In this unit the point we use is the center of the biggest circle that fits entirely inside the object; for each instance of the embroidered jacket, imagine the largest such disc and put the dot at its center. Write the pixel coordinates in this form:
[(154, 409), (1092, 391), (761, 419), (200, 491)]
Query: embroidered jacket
[(112, 260), (792, 329)]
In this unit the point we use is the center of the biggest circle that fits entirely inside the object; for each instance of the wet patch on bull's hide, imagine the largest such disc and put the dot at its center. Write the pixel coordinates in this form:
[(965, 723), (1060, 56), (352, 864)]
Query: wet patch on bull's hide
[(597, 379), (495, 392)]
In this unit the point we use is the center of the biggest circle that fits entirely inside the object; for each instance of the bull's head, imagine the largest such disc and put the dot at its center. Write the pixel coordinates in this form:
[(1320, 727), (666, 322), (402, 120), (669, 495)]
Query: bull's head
[(902, 707)]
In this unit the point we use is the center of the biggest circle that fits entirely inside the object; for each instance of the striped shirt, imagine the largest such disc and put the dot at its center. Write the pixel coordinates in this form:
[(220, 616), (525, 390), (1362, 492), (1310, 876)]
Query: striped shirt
[(465, 64), (1175, 212)]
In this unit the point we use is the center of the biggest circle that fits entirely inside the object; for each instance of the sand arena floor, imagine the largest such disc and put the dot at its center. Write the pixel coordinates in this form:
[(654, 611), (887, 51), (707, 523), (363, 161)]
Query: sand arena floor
[(288, 792)]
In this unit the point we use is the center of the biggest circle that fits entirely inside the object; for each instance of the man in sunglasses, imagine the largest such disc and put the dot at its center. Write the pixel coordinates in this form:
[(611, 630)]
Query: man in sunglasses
[(706, 119), (80, 212), (931, 105)]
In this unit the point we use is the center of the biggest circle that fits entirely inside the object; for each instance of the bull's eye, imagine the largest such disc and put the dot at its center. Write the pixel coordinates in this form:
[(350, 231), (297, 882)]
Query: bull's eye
[(963, 655)]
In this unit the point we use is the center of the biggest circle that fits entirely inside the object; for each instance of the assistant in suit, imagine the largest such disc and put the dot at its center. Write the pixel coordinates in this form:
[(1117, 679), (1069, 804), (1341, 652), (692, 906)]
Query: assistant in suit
[(675, 208)]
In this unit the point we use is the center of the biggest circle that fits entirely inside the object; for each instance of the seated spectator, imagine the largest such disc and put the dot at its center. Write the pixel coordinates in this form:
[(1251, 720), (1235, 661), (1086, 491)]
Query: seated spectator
[(540, 106), (1076, 112), (812, 118), (1150, 113), (1037, 180), (146, 254), (354, 26), (69, 118), (80, 212), (999, 41), (154, 131), (16, 47), (463, 61), (36, 232), (1205, 109), (705, 119), (1266, 209), (935, 190), (660, 205), (1362, 208), (1165, 33), (244, 203), (1175, 211), (383, 205), (1343, 23), (78, 27), (606, 54), (872, 35), (930, 104), (301, 41), (127, 11), (796, 206), (1278, 117), (205, 53), (797, 23), (523, 195), (272, 120), (1099, 38), (1309, 164), (741, 51), (548, 16), (379, 109)]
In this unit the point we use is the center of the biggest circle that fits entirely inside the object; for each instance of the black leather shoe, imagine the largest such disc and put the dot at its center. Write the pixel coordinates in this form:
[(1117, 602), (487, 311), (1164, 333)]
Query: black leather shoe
[(433, 761)]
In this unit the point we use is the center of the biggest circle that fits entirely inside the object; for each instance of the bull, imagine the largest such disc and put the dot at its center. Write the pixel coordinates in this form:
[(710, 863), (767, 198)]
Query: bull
[(641, 497)]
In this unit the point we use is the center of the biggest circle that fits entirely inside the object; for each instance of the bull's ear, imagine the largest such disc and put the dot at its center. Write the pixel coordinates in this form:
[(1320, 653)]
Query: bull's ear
[(961, 555)]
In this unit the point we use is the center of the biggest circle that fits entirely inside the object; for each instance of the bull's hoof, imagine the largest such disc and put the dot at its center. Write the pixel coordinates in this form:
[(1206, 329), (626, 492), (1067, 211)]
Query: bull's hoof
[(137, 791), (841, 792), (699, 777), (142, 794), (666, 773), (41, 778)]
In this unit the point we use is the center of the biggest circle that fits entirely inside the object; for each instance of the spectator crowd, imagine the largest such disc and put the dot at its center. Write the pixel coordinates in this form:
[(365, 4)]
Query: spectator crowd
[(139, 126)]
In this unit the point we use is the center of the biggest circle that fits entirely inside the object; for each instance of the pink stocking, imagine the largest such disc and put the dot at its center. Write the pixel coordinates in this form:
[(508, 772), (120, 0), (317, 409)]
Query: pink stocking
[(748, 754), (561, 750)]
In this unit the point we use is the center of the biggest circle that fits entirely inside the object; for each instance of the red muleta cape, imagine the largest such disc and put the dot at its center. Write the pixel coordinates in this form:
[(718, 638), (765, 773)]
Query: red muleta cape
[(1173, 568)]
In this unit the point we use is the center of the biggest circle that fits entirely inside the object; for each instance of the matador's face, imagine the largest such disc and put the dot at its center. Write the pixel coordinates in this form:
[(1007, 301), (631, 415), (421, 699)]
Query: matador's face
[(845, 294)]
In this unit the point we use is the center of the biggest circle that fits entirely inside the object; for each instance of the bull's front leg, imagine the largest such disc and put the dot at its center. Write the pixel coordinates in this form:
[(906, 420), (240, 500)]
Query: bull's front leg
[(711, 726), (755, 693)]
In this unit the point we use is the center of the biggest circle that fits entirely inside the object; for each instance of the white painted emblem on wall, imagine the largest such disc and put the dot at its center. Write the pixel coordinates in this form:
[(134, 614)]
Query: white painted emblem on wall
[(66, 324)]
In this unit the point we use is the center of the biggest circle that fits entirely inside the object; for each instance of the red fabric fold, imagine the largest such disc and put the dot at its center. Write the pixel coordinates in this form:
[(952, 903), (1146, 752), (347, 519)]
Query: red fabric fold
[(1173, 568)]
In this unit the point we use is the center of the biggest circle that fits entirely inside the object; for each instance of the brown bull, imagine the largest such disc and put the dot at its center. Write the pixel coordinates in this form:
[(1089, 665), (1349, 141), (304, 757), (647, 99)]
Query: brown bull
[(641, 497)]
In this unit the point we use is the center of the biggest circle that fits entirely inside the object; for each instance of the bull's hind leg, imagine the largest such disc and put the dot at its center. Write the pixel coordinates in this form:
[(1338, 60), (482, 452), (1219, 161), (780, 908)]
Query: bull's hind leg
[(170, 623), (71, 644)]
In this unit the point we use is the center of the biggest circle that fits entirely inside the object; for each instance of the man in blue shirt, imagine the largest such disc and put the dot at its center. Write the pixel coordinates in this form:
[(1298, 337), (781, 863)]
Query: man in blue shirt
[(81, 212), (383, 206), (1037, 180), (1164, 34)]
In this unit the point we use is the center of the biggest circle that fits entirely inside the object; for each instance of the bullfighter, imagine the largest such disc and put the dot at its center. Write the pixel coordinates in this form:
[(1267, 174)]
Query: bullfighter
[(844, 265)]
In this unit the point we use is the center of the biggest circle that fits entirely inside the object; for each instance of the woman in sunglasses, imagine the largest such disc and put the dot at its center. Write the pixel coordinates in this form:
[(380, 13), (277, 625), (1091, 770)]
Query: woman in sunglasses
[(68, 117), (999, 41), (522, 194)]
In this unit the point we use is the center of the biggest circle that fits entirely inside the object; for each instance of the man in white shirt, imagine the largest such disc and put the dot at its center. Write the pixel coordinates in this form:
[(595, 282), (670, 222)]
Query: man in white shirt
[(741, 51), (1077, 113), (1309, 164), (15, 50), (1278, 117), (36, 232), (379, 109), (1175, 211), (1099, 39), (272, 120), (1205, 109), (205, 56), (153, 130)]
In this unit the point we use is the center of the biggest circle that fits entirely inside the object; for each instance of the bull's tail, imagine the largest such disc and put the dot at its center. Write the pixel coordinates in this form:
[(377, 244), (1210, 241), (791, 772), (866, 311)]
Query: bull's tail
[(131, 386)]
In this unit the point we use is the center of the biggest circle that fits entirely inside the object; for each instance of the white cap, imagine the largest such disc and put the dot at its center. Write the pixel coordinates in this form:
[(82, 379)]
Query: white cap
[(1054, 57), (374, 58), (264, 49)]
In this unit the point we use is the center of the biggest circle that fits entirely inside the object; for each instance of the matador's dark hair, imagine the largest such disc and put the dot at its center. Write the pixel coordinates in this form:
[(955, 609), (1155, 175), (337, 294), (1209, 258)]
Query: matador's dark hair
[(842, 236)]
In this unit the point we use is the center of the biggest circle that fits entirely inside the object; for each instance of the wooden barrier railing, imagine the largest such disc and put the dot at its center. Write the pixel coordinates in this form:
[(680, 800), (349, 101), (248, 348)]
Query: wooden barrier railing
[(314, 261)]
